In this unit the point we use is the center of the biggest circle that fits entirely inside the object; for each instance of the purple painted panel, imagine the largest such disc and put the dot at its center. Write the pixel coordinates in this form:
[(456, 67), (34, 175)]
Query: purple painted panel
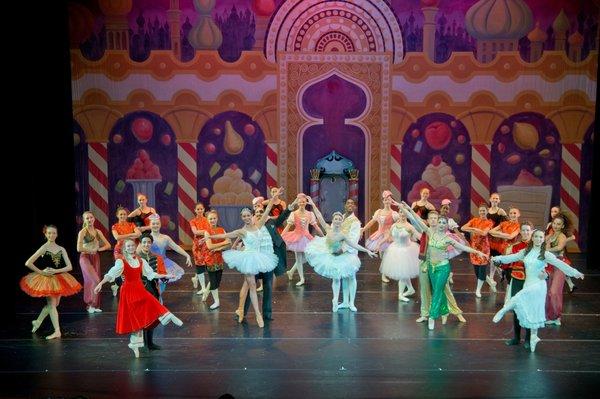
[(585, 189), (142, 157), (527, 146), (436, 154), (333, 100)]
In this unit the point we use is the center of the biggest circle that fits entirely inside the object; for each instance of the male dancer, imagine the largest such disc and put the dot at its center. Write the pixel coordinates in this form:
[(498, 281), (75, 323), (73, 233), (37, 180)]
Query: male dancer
[(279, 249), (351, 229), (517, 279)]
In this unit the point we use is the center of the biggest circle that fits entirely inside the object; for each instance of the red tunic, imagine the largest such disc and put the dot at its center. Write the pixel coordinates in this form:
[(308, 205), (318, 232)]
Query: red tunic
[(480, 243), (138, 309), (213, 260), (507, 227), (122, 229), (199, 248), (517, 269)]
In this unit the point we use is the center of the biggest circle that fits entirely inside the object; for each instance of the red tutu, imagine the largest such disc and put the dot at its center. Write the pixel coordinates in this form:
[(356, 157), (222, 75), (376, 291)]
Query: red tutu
[(138, 309), (38, 285)]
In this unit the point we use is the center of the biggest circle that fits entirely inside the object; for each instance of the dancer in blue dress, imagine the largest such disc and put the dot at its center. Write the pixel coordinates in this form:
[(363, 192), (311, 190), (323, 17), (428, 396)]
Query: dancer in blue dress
[(257, 256), (330, 258), (529, 304)]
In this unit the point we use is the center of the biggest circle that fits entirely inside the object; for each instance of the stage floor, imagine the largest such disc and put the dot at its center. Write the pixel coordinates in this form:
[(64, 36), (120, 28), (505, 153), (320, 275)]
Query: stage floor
[(307, 351)]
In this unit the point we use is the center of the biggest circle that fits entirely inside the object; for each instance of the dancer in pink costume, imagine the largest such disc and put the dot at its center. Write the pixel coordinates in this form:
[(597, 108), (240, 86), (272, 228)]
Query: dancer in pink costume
[(297, 239), (385, 218)]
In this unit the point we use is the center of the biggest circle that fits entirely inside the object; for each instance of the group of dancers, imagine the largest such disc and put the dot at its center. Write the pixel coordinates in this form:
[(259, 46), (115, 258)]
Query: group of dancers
[(415, 241)]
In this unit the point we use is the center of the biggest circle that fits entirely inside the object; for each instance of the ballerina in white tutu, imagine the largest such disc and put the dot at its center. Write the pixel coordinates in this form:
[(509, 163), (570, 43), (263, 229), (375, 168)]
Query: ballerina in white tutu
[(529, 304), (401, 258), (329, 257), (257, 256)]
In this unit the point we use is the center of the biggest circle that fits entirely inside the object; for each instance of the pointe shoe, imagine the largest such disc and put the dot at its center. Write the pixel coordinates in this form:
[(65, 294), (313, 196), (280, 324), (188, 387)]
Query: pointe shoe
[(290, 275), (205, 293), (384, 279), (403, 298), (240, 315), (498, 316), (431, 324), (200, 292), (491, 283), (335, 305), (259, 289), (260, 321), (409, 292), (478, 294), (135, 349), (115, 289), (54, 335), (299, 283), (195, 282), (450, 280), (214, 306), (533, 341), (422, 319), (353, 308), (444, 319), (97, 310), (343, 305), (461, 318), (555, 322), (36, 324), (91, 310), (176, 320)]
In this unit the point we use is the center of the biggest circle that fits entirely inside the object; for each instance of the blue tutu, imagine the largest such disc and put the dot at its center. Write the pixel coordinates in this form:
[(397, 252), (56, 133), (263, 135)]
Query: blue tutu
[(173, 269), (326, 261)]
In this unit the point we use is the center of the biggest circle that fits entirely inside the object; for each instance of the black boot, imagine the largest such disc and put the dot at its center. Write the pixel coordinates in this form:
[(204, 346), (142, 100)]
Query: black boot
[(149, 338)]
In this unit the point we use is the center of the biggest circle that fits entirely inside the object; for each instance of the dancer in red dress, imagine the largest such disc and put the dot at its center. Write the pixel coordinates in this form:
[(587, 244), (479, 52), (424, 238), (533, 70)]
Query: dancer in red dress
[(138, 309), (49, 279)]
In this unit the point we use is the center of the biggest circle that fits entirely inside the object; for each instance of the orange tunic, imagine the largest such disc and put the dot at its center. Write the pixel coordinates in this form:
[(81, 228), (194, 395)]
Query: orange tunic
[(213, 260), (507, 227), (122, 228), (480, 243), (198, 247)]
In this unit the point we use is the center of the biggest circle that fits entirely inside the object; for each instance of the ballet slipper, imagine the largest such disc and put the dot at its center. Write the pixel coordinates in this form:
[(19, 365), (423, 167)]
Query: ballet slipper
[(422, 319), (461, 318), (498, 316), (259, 320), (214, 306), (450, 279), (533, 341), (343, 305), (444, 319), (54, 335), (205, 293), (36, 324), (195, 282), (403, 298), (299, 283), (431, 323), (135, 349), (115, 289), (384, 279), (409, 292), (353, 308), (240, 314), (290, 275), (97, 310), (335, 305)]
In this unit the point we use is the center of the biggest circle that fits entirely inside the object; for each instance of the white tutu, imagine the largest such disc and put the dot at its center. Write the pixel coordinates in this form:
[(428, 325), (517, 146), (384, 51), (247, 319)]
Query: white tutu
[(319, 255), (250, 261), (530, 305), (400, 261)]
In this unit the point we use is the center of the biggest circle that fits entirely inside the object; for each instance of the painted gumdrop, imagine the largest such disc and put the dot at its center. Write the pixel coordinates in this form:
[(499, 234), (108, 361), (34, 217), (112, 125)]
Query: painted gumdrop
[(155, 172), (504, 129), (256, 192), (438, 135), (165, 219), (545, 153), (142, 129), (453, 124), (461, 139), (550, 165), (204, 193), (501, 148), (525, 135), (513, 159), (249, 129), (76, 139), (165, 139), (415, 133), (418, 146), (171, 226), (210, 148), (233, 143), (537, 170), (459, 158), (217, 131), (117, 139), (436, 160), (550, 139)]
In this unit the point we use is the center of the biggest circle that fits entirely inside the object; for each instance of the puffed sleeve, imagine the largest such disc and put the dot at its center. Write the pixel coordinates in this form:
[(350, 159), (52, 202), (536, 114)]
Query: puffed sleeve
[(395, 216), (115, 271), (565, 268), (290, 219), (147, 270)]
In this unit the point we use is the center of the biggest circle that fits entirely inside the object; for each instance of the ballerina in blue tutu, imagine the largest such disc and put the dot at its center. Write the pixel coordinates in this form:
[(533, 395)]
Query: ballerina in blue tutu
[(330, 258), (257, 256)]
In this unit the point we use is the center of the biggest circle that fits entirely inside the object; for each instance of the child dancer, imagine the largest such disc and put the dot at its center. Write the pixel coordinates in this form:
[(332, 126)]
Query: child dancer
[(121, 231), (297, 239), (529, 303), (88, 245), (199, 225), (479, 227), (327, 256), (160, 245), (496, 215), (214, 258), (138, 309), (401, 258), (384, 218), (257, 256), (49, 279)]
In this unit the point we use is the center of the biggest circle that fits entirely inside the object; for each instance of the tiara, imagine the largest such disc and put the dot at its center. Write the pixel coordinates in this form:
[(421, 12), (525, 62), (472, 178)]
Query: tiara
[(154, 216), (245, 209)]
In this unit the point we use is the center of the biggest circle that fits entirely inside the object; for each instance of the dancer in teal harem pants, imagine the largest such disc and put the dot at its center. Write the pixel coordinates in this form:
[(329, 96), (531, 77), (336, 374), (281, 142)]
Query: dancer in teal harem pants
[(438, 275)]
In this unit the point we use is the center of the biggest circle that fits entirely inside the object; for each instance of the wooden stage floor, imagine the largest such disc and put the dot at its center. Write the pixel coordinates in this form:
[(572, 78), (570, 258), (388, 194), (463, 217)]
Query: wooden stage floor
[(307, 351)]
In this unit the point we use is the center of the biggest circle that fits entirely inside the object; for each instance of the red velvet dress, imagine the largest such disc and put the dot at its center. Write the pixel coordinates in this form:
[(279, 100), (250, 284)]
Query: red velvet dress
[(138, 309)]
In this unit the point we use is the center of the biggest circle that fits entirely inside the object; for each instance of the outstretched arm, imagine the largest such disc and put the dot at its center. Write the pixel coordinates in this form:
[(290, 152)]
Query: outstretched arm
[(265, 216), (359, 247), (179, 250), (317, 213), (510, 258), (415, 219), (565, 268), (466, 248)]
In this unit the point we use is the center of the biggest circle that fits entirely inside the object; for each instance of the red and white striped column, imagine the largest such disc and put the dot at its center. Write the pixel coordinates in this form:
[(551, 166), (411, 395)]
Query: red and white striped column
[(396, 171), (271, 165), (481, 157), (98, 183), (187, 193), (570, 179)]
